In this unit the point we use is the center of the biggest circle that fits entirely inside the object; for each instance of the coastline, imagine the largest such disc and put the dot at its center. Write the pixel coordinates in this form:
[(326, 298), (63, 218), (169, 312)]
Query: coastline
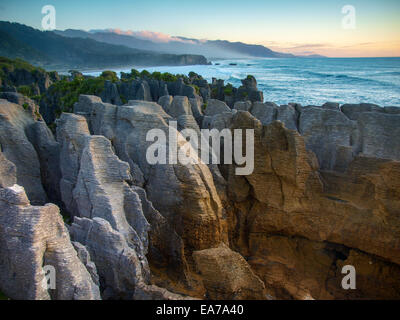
[(310, 81)]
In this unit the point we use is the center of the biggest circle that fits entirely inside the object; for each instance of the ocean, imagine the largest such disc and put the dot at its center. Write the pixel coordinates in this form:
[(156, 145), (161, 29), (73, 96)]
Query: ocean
[(309, 81)]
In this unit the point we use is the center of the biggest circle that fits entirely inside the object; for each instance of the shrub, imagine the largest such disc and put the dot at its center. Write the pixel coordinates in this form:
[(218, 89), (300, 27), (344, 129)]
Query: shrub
[(109, 75), (145, 74), (25, 90), (135, 74), (3, 296), (168, 77), (193, 74), (156, 75), (196, 88), (228, 90)]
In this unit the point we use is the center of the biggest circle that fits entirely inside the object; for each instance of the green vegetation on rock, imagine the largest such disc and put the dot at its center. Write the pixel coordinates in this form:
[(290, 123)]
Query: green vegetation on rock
[(3, 296), (67, 92), (228, 90)]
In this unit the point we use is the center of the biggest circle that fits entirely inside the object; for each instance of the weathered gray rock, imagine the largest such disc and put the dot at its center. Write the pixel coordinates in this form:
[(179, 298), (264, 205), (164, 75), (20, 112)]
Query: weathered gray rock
[(331, 105), (118, 265), (72, 131), (392, 110), (23, 101), (102, 191), (188, 122), (379, 134), (288, 116), (166, 248), (143, 92), (242, 105), (8, 172), (265, 112), (328, 133), (110, 93), (353, 111), (97, 186), (34, 237), (196, 105), (48, 151), (84, 257), (179, 106), (102, 196), (215, 107), (184, 194), (206, 123), (16, 147), (165, 102), (221, 121)]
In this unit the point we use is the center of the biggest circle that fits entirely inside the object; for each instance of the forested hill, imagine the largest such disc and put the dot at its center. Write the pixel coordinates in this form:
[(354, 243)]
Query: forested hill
[(47, 49)]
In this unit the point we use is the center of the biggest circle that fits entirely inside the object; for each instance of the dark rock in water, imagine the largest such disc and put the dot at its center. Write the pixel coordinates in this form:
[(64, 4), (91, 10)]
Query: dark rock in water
[(233, 64)]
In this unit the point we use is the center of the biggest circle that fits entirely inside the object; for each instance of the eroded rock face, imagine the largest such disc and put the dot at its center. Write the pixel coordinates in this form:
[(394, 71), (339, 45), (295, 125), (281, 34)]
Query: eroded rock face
[(7, 172), (298, 222), (215, 107), (98, 187), (227, 276), (31, 238), (118, 265), (184, 194), (324, 194), (16, 147), (95, 183)]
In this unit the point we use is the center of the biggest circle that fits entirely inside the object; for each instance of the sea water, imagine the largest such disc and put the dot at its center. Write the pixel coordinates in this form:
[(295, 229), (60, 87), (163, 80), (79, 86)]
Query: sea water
[(309, 81)]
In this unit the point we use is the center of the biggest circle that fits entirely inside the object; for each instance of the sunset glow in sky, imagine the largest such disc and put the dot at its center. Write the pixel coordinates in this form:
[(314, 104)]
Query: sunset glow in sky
[(299, 27)]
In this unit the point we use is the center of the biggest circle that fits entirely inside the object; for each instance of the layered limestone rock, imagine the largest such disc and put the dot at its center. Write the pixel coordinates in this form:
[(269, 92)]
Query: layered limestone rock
[(32, 238), (227, 276), (15, 123), (118, 264), (97, 185), (215, 107), (298, 223), (8, 172), (324, 194), (184, 194)]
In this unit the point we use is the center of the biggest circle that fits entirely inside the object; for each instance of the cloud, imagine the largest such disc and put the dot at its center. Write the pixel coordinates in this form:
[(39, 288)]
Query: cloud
[(306, 46), (150, 35), (359, 45), (292, 46)]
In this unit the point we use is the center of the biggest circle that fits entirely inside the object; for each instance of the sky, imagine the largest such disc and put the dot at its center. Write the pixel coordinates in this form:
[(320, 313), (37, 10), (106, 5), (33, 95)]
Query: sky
[(299, 27)]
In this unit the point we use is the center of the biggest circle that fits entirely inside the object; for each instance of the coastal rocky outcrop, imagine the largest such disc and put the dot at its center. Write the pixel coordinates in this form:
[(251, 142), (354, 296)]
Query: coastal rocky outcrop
[(324, 194)]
